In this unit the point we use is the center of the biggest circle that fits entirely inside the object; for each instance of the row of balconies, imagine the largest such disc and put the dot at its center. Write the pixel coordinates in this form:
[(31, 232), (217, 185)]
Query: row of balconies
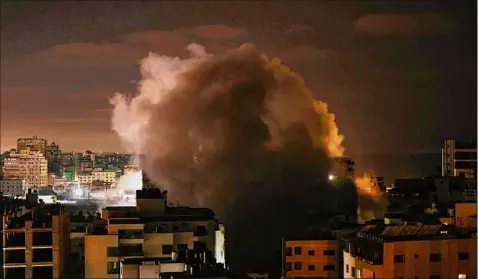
[(18, 239), (18, 256)]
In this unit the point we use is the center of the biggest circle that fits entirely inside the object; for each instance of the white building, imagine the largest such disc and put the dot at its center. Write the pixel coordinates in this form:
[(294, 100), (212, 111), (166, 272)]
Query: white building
[(28, 165), (13, 187), (105, 176)]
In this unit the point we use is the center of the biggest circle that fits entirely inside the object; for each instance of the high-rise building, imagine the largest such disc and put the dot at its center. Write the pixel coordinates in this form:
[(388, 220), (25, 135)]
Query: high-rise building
[(53, 155), (28, 165), (459, 159), (34, 144)]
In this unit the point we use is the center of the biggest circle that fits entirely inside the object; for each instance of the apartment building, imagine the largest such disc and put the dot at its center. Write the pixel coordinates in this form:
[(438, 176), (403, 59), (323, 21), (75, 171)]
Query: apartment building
[(410, 251), (27, 165), (459, 159), (13, 187), (34, 144), (151, 237), (311, 258), (36, 244)]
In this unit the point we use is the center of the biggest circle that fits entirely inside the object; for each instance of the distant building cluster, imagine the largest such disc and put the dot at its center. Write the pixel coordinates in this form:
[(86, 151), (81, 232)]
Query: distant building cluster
[(37, 164), (428, 230)]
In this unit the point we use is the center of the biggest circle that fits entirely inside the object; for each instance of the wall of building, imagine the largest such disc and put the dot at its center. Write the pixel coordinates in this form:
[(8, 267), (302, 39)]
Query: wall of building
[(153, 244), (96, 257), (311, 265), (416, 260)]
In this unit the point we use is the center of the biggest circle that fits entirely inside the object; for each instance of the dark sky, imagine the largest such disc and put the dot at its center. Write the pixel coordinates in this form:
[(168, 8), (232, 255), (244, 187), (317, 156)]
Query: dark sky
[(400, 76)]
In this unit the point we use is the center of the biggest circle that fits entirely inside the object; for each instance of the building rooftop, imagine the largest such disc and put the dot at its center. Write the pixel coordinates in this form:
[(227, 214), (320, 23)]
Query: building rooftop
[(390, 233)]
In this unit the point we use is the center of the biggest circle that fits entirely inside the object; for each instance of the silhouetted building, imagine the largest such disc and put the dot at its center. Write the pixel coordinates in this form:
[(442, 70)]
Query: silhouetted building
[(459, 158)]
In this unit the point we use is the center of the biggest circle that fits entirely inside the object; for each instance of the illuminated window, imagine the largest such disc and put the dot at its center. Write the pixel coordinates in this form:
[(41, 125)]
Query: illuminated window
[(112, 267), (461, 276), (298, 250)]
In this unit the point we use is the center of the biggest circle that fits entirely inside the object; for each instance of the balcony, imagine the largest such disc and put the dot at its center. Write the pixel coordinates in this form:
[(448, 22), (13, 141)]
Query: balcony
[(42, 255), (131, 250), (15, 256), (42, 239), (130, 234), (15, 239)]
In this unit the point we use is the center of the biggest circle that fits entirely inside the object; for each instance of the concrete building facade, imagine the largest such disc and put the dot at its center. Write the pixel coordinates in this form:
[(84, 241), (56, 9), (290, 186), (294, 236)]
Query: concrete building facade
[(459, 159), (28, 165), (36, 244), (410, 251), (33, 144)]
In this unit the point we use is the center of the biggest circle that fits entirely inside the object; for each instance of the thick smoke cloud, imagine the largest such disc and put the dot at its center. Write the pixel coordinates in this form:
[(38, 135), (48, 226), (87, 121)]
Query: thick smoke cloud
[(239, 133)]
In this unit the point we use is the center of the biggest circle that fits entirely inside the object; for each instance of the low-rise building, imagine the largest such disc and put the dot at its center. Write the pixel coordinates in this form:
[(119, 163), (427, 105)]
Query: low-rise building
[(150, 233), (13, 187), (410, 251)]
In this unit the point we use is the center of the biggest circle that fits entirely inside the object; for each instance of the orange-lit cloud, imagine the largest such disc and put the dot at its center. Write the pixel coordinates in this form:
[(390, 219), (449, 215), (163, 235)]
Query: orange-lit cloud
[(404, 24)]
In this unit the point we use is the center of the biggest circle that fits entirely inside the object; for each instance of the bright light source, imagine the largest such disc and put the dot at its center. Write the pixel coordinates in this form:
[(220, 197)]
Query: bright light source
[(78, 192), (461, 276), (331, 177)]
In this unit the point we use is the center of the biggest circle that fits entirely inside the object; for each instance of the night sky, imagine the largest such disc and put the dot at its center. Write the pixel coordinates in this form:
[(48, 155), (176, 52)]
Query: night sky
[(400, 76)]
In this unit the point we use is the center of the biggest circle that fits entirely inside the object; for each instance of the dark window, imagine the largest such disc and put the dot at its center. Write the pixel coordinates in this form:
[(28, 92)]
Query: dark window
[(347, 268), (435, 257), (112, 268), (113, 251), (288, 251), (463, 256), (167, 249), (398, 259), (434, 277), (329, 267), (288, 266), (297, 265), (416, 256), (182, 247), (199, 246), (298, 251), (311, 252), (311, 267), (353, 272), (329, 252)]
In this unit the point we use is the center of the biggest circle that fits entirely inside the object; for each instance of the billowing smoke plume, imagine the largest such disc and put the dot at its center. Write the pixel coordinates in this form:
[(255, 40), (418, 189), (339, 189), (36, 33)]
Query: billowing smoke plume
[(239, 133), (203, 119), (372, 202)]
